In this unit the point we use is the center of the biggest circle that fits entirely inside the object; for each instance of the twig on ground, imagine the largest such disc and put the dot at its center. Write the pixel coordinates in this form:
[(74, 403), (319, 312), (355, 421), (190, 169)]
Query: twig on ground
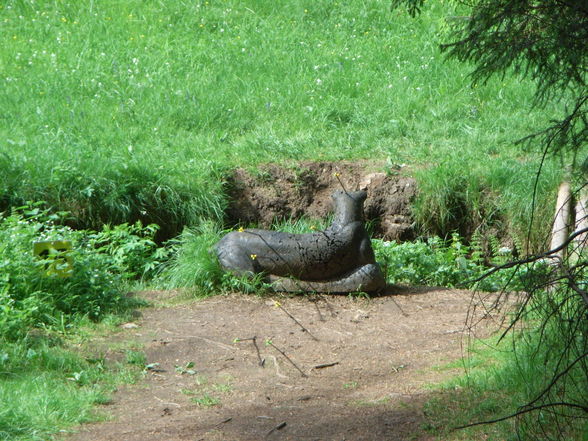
[(318, 310), (296, 321), (254, 340), (399, 307), (269, 342), (326, 365), (278, 427)]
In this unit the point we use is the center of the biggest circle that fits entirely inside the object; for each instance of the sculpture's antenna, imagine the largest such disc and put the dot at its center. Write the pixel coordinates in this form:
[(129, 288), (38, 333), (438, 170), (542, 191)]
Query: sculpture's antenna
[(337, 174)]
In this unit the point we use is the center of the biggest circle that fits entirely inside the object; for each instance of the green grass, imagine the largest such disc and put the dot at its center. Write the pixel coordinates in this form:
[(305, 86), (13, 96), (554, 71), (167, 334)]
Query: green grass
[(499, 378), (118, 111), (122, 111), (47, 386)]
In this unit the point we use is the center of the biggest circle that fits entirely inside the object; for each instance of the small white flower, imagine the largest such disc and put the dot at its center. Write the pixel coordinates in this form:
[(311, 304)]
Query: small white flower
[(319, 81)]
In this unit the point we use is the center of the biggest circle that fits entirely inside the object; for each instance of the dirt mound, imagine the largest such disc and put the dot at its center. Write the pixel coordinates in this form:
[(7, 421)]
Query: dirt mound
[(359, 372), (275, 192)]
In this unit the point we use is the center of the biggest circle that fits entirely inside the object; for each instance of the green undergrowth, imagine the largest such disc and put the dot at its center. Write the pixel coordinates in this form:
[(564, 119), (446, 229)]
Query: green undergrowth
[(90, 280), (126, 111), (47, 385), (50, 377), (435, 262), (431, 262), (501, 377), (488, 195)]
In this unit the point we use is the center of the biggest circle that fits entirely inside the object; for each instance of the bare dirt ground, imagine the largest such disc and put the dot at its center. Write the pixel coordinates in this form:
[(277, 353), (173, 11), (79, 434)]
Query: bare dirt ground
[(358, 372)]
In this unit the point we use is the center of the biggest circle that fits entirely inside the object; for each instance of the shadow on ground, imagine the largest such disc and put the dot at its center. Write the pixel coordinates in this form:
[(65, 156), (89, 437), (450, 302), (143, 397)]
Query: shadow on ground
[(320, 368)]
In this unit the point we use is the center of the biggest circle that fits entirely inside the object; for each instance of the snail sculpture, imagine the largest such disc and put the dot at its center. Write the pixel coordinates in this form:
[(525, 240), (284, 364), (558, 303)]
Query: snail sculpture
[(337, 260)]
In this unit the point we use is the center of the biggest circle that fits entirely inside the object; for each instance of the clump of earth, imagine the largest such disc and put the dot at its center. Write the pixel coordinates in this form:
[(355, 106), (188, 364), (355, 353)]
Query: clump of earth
[(274, 192)]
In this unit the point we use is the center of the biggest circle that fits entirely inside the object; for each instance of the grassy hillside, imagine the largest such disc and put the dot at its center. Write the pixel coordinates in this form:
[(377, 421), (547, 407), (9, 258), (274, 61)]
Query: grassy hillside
[(118, 111)]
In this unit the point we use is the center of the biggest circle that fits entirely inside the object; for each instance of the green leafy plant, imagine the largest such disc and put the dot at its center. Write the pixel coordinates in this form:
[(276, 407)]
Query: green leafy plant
[(132, 248), (137, 358), (206, 400), (31, 297), (188, 368), (435, 262)]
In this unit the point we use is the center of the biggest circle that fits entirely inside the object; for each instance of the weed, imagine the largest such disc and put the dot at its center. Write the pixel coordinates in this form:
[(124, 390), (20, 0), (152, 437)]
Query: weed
[(132, 248), (192, 264), (222, 387), (136, 358), (359, 295), (205, 400), (351, 385), (186, 369), (450, 263), (32, 297)]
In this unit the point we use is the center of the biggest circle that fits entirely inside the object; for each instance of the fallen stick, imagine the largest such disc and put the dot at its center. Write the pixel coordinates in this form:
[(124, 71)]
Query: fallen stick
[(326, 365), (254, 340), (296, 321), (321, 318), (269, 342), (278, 427)]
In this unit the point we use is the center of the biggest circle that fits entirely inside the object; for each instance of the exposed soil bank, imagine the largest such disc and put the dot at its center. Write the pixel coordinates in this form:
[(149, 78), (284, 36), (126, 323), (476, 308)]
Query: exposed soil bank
[(277, 193)]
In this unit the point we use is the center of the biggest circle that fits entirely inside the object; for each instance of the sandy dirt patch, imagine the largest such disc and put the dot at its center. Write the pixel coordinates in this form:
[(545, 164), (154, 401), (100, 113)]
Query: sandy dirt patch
[(359, 371)]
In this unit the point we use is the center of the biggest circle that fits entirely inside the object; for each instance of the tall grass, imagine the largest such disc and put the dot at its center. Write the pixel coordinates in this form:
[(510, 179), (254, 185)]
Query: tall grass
[(46, 387), (118, 111), (192, 264), (501, 378), (476, 195)]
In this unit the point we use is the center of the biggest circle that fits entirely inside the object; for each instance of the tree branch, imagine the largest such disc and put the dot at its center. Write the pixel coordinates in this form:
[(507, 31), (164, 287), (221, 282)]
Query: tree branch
[(523, 411)]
